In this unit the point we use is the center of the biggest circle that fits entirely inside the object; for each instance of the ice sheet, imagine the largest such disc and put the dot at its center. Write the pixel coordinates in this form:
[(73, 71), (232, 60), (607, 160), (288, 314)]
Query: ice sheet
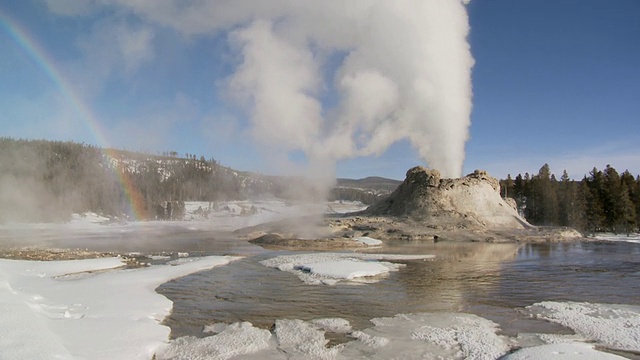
[(330, 268)]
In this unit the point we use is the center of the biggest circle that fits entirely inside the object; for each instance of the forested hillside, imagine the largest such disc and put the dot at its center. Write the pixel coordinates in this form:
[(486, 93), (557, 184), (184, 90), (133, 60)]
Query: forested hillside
[(603, 201), (49, 180), (368, 190)]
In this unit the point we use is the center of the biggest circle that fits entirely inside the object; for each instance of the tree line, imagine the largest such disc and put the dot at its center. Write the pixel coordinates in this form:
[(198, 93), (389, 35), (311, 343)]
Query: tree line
[(49, 180), (604, 200)]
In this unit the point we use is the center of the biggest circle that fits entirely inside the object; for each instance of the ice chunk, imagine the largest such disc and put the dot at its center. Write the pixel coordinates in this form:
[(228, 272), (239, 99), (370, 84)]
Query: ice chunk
[(430, 336), (301, 340), (235, 340), (344, 269), (329, 268)]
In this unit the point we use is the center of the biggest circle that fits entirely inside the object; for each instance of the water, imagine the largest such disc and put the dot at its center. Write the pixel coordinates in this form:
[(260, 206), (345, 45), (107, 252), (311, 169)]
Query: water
[(494, 281)]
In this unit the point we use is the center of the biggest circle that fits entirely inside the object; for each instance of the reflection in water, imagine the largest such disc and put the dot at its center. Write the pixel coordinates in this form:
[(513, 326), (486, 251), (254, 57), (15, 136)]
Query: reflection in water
[(490, 280)]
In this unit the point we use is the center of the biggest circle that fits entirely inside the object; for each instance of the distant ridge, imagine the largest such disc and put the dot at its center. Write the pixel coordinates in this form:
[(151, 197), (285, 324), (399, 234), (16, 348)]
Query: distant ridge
[(370, 183)]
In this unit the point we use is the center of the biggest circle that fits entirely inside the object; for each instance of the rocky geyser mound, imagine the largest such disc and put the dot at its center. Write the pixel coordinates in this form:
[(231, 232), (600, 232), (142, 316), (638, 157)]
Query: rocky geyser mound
[(470, 202)]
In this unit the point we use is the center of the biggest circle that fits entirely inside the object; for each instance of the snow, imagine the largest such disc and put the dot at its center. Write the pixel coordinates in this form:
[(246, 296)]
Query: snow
[(368, 241), (409, 336), (566, 351), (303, 340), (450, 336), (614, 326), (199, 215), (95, 309), (235, 340), (88, 218), (86, 309), (344, 207), (344, 269), (233, 215), (331, 268), (632, 238)]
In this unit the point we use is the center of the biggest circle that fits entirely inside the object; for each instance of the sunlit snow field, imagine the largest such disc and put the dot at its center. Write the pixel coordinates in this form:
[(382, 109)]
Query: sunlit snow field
[(393, 301)]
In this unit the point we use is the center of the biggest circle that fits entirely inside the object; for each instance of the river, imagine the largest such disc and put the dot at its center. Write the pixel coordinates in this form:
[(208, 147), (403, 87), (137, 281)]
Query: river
[(494, 281)]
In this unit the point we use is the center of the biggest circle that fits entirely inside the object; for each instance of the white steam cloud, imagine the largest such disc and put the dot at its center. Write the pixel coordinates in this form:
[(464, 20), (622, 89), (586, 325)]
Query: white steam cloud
[(405, 73), (401, 69)]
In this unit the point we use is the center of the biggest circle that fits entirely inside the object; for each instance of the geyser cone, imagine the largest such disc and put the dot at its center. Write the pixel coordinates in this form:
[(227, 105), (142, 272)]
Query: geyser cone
[(469, 202)]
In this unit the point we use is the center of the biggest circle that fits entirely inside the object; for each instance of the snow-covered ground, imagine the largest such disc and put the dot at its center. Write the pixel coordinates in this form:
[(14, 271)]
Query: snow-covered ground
[(86, 309), (199, 215), (632, 238), (91, 309)]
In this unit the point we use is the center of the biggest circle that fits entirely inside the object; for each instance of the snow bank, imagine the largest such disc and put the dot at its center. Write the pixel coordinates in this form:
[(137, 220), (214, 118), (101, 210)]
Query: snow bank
[(101, 315), (330, 268), (632, 238), (614, 326)]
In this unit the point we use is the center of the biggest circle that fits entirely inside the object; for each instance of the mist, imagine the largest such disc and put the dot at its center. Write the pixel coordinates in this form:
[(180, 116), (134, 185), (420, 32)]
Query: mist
[(327, 81)]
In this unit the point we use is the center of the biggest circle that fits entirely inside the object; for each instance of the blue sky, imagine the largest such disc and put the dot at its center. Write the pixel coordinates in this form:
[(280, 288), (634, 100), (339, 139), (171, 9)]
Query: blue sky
[(555, 81)]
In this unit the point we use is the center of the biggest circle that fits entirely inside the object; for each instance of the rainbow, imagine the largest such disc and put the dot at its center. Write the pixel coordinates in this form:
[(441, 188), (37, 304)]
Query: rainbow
[(21, 37)]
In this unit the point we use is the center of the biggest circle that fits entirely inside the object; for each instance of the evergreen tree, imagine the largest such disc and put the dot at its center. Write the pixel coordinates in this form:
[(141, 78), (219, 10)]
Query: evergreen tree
[(546, 198), (566, 198), (594, 196)]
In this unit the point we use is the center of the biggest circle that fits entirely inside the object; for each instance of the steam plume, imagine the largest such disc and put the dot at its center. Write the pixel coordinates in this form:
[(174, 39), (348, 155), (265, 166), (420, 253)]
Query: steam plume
[(403, 72)]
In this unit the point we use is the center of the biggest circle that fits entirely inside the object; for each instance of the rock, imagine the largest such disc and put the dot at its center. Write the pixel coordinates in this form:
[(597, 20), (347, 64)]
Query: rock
[(511, 202), (470, 202)]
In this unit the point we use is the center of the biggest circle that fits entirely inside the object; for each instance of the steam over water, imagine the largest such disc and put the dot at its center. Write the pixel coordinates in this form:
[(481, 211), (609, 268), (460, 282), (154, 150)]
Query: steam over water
[(490, 280)]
